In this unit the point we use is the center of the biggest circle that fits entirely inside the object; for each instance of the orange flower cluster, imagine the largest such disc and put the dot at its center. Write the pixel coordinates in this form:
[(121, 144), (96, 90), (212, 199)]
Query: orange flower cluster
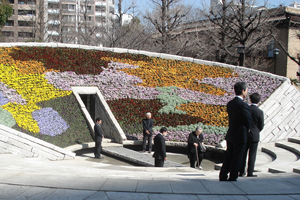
[(24, 67), (211, 114), (164, 73)]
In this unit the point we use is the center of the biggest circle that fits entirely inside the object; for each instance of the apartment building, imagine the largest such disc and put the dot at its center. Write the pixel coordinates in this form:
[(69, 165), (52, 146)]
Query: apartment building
[(67, 21)]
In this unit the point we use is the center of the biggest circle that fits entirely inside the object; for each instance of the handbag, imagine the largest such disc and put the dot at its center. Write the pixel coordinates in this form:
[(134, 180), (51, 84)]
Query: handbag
[(202, 147)]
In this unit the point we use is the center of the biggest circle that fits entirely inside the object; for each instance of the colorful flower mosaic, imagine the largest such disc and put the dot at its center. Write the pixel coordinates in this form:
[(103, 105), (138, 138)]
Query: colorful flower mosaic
[(35, 92)]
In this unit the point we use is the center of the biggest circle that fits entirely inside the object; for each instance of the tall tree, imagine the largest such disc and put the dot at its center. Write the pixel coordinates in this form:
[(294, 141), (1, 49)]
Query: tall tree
[(166, 17), (238, 23), (6, 12)]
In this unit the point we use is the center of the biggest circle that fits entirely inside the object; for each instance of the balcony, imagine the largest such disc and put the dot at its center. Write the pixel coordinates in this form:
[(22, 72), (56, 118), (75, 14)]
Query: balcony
[(54, 22), (97, 14), (53, 11), (53, 1), (53, 33)]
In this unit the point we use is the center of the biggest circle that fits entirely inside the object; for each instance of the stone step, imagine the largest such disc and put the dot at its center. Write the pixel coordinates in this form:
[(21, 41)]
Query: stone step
[(294, 140), (295, 148), (144, 159), (284, 159)]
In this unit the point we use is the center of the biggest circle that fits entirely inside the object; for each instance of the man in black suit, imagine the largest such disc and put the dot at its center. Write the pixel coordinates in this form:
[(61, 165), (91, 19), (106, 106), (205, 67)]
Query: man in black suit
[(236, 137), (160, 148), (98, 138), (253, 136), (147, 132)]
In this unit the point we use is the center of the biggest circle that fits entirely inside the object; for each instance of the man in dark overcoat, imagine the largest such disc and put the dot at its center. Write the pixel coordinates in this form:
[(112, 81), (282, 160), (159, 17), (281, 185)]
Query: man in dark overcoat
[(253, 135), (160, 148), (98, 138), (236, 138)]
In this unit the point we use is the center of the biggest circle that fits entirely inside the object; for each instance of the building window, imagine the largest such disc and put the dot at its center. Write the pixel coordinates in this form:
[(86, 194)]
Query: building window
[(25, 23), (11, 1), (100, 9), (8, 33), (27, 2), (25, 35), (26, 12), (71, 7), (9, 23), (69, 17)]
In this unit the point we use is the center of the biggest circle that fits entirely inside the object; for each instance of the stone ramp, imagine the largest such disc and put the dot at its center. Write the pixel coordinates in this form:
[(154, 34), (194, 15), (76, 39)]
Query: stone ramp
[(144, 159)]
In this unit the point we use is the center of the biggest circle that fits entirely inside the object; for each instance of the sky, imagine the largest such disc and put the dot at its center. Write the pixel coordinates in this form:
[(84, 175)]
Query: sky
[(144, 5)]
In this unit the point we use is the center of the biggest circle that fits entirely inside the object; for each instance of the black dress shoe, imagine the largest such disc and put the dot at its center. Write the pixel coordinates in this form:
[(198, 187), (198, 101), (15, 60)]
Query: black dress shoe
[(252, 175), (242, 174)]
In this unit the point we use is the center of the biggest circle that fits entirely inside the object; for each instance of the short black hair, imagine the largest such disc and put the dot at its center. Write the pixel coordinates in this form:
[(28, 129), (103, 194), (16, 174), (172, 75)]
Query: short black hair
[(98, 119), (239, 87), (163, 129), (255, 97)]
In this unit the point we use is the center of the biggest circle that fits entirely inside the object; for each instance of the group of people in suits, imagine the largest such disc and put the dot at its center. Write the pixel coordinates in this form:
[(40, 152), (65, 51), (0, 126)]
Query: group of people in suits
[(245, 124)]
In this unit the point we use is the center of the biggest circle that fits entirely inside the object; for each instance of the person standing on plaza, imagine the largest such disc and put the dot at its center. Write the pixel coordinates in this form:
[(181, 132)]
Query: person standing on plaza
[(160, 148), (147, 132), (253, 135), (98, 138), (236, 138), (193, 148)]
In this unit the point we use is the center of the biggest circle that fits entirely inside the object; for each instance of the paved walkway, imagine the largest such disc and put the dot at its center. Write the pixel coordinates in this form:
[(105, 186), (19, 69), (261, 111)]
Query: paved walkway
[(86, 178)]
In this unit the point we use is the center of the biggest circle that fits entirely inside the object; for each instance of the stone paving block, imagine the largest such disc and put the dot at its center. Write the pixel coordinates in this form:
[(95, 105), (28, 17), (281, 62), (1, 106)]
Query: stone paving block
[(268, 111), (154, 186), (126, 196), (70, 194), (172, 197), (122, 185), (98, 196), (222, 197), (295, 197), (11, 191), (267, 197), (267, 186), (36, 193), (221, 187), (19, 144), (188, 187)]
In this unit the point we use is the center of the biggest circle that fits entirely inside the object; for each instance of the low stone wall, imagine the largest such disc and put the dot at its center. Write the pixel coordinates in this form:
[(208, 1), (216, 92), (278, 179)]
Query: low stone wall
[(281, 114), (16, 142)]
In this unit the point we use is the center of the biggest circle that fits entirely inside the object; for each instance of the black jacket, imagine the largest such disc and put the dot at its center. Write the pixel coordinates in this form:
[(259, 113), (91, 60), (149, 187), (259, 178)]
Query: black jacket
[(191, 149), (160, 147), (257, 123), (98, 133), (239, 121), (147, 125)]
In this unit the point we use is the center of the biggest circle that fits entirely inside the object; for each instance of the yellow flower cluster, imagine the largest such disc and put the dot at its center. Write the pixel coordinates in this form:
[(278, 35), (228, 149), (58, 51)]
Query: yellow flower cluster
[(163, 73), (24, 67), (33, 88), (211, 114)]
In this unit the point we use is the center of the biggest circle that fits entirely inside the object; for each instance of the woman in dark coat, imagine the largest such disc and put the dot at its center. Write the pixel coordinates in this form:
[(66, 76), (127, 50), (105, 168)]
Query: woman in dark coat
[(194, 140)]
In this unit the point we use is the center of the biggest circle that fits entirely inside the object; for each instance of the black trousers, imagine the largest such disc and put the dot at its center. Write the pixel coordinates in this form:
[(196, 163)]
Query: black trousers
[(98, 148), (251, 149), (193, 159), (158, 162), (232, 163), (149, 137)]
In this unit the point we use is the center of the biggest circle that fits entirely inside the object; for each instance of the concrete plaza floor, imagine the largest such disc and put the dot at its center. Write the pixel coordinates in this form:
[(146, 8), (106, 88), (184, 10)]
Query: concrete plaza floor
[(86, 178)]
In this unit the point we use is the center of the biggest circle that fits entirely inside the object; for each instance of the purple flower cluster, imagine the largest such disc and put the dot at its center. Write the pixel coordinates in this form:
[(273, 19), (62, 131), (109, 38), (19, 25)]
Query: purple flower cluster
[(50, 122), (3, 100), (117, 65), (11, 95), (264, 85), (113, 84)]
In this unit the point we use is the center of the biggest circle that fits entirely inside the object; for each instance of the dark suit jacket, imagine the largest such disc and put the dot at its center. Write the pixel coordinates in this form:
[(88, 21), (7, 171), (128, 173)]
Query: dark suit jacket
[(257, 123), (160, 147), (98, 133), (191, 149), (147, 125), (239, 121)]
